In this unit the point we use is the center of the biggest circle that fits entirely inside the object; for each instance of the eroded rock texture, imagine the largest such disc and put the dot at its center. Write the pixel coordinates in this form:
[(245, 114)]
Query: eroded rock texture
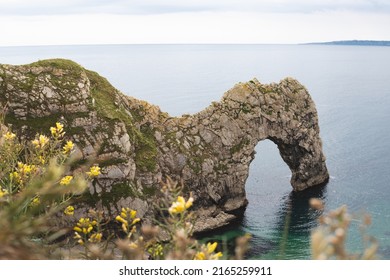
[(137, 145)]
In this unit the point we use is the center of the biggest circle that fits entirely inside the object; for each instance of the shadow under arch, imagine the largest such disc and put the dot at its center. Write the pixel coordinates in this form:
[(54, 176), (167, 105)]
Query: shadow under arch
[(296, 220)]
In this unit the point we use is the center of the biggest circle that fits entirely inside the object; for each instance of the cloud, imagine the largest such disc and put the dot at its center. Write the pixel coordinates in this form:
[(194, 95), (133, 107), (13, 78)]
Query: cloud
[(134, 7), (194, 27), (41, 22)]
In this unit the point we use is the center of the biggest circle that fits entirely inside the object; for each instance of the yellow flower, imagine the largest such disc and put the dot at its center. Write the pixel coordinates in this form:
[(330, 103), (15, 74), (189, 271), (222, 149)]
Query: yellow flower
[(66, 180), (85, 225), (43, 140), (68, 147), (35, 142), (189, 202), (26, 169), (79, 238), (40, 142), (57, 131), (124, 212), (121, 220), (59, 126), (23, 172), (156, 250), (94, 171), (200, 256), (69, 211), (217, 256), (210, 250), (180, 205), (35, 202), (9, 136), (137, 220), (42, 160), (15, 177), (211, 247), (76, 228), (125, 224), (3, 192), (87, 230), (95, 238), (207, 252), (127, 216)]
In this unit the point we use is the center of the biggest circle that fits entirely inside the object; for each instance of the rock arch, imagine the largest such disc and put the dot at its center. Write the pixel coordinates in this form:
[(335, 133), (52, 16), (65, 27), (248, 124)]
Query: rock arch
[(137, 144), (227, 132)]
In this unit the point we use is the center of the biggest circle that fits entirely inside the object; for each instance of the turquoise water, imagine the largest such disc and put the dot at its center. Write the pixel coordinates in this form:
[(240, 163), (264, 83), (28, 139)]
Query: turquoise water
[(349, 84)]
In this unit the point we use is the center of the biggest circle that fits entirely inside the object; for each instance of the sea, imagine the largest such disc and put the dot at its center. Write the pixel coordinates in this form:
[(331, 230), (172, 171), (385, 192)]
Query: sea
[(350, 86)]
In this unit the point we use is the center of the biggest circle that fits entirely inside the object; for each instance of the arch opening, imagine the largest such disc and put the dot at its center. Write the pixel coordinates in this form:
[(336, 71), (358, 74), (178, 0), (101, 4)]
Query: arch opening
[(267, 183), (277, 217)]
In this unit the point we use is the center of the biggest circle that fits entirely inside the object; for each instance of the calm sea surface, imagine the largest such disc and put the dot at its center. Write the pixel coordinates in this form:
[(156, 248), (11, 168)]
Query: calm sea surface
[(349, 84)]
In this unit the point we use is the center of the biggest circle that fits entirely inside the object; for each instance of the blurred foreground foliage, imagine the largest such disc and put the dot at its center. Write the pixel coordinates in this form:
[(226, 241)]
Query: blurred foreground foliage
[(37, 188), (328, 240)]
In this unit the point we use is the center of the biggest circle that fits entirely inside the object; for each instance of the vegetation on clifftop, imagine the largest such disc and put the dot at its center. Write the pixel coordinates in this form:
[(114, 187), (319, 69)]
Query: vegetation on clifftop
[(108, 102)]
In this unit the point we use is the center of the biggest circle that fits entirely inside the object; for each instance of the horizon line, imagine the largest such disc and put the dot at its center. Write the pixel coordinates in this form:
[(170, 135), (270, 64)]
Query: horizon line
[(124, 44)]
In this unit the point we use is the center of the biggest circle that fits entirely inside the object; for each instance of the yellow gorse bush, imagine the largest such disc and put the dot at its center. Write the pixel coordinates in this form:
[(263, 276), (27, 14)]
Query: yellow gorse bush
[(38, 155), (66, 180), (68, 147), (41, 142), (85, 225), (180, 205), (22, 173), (95, 238), (3, 192), (93, 172), (9, 136), (30, 175), (37, 185), (127, 218), (57, 131), (207, 252), (36, 201), (69, 211), (87, 231)]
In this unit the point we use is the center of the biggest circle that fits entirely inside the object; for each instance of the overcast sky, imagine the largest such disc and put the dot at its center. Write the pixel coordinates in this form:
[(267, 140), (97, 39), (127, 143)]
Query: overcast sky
[(57, 22)]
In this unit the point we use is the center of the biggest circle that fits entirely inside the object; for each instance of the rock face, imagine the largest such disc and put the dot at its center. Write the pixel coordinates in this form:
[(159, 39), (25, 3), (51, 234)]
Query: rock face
[(136, 144)]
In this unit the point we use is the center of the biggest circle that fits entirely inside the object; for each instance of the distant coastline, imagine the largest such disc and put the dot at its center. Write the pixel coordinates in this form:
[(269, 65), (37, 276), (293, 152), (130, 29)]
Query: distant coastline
[(354, 43)]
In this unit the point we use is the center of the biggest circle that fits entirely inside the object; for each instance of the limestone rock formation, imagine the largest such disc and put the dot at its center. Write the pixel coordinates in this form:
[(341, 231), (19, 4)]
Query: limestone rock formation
[(136, 144)]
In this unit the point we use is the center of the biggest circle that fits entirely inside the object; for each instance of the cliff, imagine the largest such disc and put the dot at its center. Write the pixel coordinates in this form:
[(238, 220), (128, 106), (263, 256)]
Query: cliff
[(136, 144)]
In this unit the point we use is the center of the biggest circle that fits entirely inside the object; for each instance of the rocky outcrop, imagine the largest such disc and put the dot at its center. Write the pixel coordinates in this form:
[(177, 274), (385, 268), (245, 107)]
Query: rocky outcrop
[(136, 144)]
